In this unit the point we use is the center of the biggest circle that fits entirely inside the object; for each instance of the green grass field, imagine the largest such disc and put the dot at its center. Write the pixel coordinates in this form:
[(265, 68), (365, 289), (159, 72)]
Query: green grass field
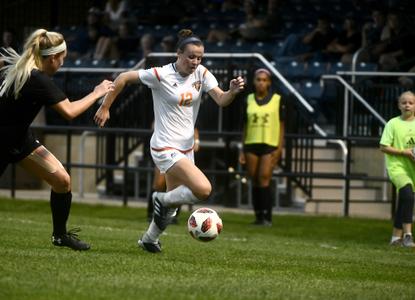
[(300, 257)]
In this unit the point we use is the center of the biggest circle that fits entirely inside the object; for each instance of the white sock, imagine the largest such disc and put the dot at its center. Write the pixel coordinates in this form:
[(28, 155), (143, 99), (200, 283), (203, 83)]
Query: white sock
[(180, 195), (408, 233), (152, 234), (395, 238)]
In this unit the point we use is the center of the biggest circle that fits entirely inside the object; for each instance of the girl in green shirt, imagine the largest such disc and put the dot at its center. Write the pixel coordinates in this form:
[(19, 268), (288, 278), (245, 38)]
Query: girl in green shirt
[(398, 144)]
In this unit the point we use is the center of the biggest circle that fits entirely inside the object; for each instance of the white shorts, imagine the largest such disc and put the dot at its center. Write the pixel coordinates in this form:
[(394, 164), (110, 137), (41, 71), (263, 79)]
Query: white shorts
[(165, 159)]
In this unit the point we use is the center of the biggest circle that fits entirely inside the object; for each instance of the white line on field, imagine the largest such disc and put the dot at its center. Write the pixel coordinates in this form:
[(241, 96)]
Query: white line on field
[(109, 228)]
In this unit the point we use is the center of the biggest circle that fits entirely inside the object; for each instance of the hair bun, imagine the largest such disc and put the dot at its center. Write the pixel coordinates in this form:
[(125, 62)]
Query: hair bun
[(184, 33)]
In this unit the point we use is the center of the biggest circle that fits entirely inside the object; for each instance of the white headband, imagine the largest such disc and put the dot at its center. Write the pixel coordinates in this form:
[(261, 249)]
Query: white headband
[(53, 50)]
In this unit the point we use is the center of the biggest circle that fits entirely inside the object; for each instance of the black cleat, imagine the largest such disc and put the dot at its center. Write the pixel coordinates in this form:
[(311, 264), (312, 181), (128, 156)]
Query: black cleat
[(150, 247), (71, 240), (162, 215)]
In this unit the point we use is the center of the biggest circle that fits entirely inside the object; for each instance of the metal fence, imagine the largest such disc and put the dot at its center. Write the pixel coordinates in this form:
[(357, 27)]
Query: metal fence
[(297, 164)]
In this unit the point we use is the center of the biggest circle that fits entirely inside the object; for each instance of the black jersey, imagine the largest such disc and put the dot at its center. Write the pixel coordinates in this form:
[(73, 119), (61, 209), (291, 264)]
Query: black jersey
[(16, 115)]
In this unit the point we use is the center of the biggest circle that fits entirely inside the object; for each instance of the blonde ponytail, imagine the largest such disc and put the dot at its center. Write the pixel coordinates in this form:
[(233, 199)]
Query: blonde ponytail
[(18, 67)]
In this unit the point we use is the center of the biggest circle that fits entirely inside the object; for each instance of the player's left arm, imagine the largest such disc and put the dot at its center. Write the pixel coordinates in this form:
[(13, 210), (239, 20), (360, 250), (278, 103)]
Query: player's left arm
[(278, 153), (222, 98)]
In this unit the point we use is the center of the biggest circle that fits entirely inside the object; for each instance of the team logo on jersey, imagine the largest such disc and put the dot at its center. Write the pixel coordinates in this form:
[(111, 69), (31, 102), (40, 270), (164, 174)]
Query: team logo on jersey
[(197, 85)]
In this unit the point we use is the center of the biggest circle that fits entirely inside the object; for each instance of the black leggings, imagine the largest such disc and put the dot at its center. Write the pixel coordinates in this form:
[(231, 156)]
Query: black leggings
[(405, 207)]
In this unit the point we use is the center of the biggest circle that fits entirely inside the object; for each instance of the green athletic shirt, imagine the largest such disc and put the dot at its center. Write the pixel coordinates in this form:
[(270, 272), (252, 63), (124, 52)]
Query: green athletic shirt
[(400, 134), (263, 121)]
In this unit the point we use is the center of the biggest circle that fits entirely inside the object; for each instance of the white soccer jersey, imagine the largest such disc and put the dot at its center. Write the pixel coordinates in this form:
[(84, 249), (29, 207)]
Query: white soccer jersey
[(176, 102)]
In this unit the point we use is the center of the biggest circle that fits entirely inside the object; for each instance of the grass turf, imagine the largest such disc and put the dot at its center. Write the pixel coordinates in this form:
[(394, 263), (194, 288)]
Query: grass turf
[(299, 257)]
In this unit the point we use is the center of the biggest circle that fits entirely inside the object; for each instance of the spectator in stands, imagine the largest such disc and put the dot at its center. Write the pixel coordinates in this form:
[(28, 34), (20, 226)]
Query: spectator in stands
[(26, 88), (263, 139), (85, 43), (304, 47), (177, 91), (371, 34), (372, 31), (260, 23), (92, 40), (261, 19), (168, 43), (395, 51), (9, 39), (125, 43), (147, 43), (116, 11), (397, 142), (346, 44)]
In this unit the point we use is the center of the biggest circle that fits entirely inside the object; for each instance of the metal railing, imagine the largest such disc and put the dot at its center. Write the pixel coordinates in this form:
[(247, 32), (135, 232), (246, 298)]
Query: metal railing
[(232, 137)]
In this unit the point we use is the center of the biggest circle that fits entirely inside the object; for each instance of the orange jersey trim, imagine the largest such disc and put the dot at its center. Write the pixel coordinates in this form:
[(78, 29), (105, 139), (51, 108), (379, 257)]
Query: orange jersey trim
[(171, 148), (157, 74), (204, 73)]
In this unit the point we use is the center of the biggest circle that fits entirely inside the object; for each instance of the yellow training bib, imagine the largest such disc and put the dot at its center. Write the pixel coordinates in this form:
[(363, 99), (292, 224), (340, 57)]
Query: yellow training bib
[(263, 121)]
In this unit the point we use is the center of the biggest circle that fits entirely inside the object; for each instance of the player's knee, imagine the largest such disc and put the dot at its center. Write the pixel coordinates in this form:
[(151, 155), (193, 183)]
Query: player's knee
[(264, 180), (204, 191), (159, 186), (62, 182)]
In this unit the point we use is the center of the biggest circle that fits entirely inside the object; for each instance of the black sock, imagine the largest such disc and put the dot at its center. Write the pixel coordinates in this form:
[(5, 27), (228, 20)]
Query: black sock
[(150, 205), (256, 203), (60, 204), (403, 194), (406, 198), (266, 199)]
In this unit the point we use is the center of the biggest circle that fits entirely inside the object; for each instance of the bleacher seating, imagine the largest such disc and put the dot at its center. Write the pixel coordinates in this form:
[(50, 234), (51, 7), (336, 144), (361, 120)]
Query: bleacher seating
[(333, 68), (296, 17), (366, 67), (311, 90), (315, 69)]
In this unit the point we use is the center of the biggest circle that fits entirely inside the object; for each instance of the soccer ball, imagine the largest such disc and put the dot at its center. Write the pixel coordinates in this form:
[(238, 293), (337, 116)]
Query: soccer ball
[(204, 224)]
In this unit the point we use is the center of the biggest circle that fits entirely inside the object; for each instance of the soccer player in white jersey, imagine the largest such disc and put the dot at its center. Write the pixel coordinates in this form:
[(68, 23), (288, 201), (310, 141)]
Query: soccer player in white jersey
[(177, 90)]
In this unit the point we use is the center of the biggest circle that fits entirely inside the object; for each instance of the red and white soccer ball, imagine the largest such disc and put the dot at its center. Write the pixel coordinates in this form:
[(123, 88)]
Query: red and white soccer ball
[(204, 224)]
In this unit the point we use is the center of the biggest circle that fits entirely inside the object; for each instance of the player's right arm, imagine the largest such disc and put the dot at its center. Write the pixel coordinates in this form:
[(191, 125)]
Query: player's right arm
[(102, 115), (242, 158), (395, 151)]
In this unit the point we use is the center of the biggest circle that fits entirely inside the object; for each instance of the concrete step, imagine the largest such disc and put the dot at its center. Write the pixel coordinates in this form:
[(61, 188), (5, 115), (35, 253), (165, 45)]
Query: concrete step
[(336, 193), (380, 210), (319, 182), (328, 166), (322, 153)]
